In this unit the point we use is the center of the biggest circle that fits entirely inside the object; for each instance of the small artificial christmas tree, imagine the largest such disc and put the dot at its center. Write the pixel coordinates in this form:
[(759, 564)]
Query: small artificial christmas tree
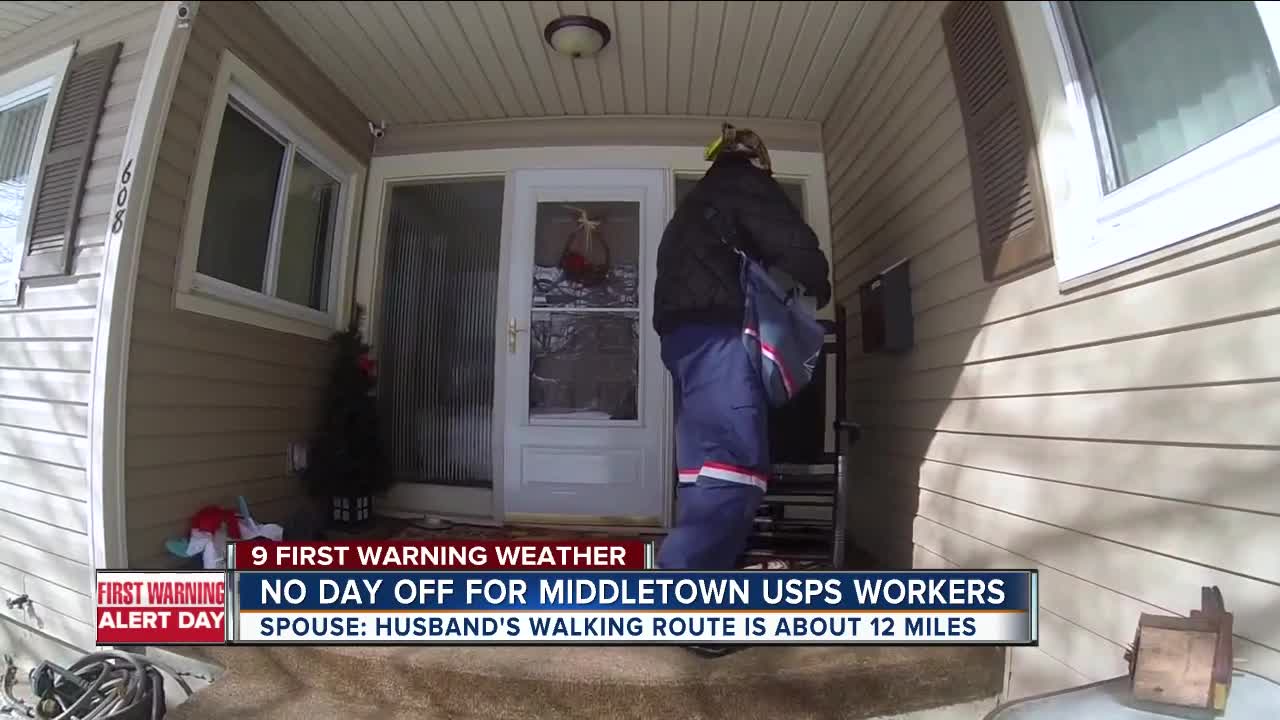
[(345, 460)]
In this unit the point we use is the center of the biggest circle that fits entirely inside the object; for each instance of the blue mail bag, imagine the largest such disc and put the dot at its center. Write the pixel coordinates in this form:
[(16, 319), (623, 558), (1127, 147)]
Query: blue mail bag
[(781, 333), (783, 337)]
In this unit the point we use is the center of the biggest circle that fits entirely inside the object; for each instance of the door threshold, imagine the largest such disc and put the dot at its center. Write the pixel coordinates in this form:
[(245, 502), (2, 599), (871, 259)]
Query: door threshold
[(416, 517), (621, 525), (632, 531)]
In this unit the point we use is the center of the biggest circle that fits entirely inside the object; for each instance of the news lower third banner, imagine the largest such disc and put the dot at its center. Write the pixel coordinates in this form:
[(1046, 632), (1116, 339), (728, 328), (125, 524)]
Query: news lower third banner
[(545, 594), (647, 607)]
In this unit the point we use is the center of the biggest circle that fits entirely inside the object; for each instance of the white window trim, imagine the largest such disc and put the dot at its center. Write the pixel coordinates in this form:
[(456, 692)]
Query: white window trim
[(1096, 234), (45, 75), (208, 295)]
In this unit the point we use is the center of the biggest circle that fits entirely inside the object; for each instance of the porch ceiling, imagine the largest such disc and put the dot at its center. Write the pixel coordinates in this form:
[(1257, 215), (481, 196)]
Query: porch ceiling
[(18, 16), (433, 62)]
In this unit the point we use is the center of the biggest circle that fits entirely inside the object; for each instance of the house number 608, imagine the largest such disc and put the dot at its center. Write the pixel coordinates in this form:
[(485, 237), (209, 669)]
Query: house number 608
[(117, 222)]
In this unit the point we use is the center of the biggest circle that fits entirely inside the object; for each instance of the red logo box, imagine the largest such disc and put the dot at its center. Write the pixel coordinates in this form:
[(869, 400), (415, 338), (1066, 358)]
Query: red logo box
[(161, 608)]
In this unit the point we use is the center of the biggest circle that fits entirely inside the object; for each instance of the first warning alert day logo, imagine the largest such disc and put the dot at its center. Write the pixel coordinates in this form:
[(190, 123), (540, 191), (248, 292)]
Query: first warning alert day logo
[(154, 608)]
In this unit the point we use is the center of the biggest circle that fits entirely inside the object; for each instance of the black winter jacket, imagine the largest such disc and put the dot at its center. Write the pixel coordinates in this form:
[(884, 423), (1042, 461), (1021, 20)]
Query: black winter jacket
[(698, 278)]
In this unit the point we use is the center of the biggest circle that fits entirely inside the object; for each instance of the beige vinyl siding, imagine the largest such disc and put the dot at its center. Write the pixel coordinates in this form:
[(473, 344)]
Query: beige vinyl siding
[(1121, 438), (212, 404), (46, 350)]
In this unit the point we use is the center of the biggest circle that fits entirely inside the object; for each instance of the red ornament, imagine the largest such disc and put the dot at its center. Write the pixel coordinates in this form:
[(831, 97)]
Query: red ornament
[(573, 263), (585, 259)]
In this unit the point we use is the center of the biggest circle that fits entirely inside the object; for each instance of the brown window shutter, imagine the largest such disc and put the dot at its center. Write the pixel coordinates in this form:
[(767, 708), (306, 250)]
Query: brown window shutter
[(56, 206), (1013, 227)]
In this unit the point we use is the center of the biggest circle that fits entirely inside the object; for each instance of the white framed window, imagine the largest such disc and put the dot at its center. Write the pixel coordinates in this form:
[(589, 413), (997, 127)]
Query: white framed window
[(28, 96), (269, 228), (1157, 121)]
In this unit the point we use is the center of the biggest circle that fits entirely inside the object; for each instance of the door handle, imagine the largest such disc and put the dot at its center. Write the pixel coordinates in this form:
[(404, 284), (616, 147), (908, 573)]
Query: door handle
[(513, 335)]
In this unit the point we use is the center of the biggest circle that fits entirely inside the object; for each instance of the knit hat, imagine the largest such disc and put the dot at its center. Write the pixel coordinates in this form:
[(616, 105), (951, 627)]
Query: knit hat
[(740, 141)]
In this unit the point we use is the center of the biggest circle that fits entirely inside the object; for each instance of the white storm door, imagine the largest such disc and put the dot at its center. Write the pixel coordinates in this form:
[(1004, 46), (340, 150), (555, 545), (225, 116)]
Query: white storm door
[(585, 394)]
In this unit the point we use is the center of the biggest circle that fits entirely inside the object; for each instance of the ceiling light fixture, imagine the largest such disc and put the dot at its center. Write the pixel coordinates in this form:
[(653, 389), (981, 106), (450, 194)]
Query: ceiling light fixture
[(577, 35)]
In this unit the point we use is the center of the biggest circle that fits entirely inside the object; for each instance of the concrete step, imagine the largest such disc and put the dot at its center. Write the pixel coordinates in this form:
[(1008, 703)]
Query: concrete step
[(537, 683)]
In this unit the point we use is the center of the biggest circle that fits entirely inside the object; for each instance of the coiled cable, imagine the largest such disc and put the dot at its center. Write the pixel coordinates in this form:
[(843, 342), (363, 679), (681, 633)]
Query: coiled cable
[(108, 685)]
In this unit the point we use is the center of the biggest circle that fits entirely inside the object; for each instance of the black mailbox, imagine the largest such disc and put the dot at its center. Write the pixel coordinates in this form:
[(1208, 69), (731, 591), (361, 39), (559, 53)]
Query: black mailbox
[(886, 311)]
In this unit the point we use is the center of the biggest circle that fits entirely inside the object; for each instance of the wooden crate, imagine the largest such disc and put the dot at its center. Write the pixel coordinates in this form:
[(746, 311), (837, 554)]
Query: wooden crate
[(1184, 664)]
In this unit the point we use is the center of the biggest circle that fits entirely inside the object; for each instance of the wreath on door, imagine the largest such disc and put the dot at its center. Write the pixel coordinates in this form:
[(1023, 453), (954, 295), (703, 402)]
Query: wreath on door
[(585, 258)]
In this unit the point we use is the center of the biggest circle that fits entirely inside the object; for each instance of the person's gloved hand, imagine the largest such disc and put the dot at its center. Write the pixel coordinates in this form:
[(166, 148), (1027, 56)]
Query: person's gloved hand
[(823, 296)]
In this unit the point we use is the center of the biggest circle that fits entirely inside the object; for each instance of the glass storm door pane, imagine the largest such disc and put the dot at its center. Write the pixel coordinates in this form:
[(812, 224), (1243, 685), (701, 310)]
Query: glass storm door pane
[(584, 331), (584, 366), (586, 255)]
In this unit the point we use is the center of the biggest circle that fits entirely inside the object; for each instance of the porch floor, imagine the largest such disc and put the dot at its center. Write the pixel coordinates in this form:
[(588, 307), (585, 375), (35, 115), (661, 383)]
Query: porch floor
[(386, 528), (590, 682)]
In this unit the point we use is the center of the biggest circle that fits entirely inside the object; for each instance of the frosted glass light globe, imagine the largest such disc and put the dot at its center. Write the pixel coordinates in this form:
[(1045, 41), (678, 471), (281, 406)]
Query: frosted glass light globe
[(577, 41), (577, 35)]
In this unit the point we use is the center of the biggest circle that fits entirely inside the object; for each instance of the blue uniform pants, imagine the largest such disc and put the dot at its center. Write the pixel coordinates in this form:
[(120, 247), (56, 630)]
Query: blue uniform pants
[(722, 447)]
